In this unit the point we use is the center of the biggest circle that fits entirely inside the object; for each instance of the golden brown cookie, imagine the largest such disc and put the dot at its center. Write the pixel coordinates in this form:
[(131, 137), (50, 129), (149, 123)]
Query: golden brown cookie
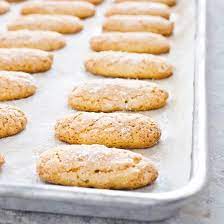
[(117, 95), (12, 120), (43, 40), (120, 130), (137, 42), (15, 1), (78, 9), (139, 8), (16, 85), (59, 23), (25, 60), (4, 7), (127, 23), (94, 2), (167, 2), (95, 166), (128, 65)]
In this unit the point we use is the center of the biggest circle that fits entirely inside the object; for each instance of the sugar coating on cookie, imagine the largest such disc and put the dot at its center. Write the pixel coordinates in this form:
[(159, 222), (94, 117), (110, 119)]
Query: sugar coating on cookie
[(167, 2), (128, 65), (120, 130), (137, 42), (95, 2), (25, 60), (140, 23), (12, 120), (117, 95), (78, 9), (139, 8), (43, 40), (95, 166), (4, 7), (59, 23), (16, 85)]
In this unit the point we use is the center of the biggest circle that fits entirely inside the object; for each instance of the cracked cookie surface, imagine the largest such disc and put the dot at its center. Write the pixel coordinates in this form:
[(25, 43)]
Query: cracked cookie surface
[(78, 9), (138, 42), (167, 2), (128, 65), (139, 8), (132, 23), (117, 95), (59, 23), (12, 120), (120, 130), (16, 85), (43, 40), (95, 166), (25, 60)]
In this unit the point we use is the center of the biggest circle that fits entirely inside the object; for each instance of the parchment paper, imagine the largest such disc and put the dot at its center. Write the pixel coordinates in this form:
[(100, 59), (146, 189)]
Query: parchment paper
[(172, 155)]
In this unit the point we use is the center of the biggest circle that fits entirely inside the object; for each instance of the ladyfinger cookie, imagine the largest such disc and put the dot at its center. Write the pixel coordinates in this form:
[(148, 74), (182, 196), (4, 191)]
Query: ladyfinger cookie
[(43, 40), (95, 166), (59, 23), (137, 42), (78, 9), (117, 95), (131, 23), (4, 7), (15, 1), (94, 2), (167, 2), (119, 130), (16, 85), (128, 65), (139, 8), (25, 60), (12, 120)]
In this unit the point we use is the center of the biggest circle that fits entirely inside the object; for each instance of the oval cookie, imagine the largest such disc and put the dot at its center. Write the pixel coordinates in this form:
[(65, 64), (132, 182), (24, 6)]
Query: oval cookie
[(15, 1), (131, 42), (4, 7), (16, 85), (120, 130), (126, 23), (95, 2), (95, 166), (139, 8), (117, 95), (43, 40), (25, 60), (58, 23), (167, 2), (79, 9), (12, 120), (128, 65)]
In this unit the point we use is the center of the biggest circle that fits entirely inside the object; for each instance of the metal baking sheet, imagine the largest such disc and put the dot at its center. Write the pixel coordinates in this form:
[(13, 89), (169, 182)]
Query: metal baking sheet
[(180, 156)]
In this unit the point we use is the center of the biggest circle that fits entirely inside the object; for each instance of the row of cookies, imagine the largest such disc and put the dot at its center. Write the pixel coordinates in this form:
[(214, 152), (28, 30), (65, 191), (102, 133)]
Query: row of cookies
[(123, 55), (23, 48), (101, 170), (23, 51), (17, 58)]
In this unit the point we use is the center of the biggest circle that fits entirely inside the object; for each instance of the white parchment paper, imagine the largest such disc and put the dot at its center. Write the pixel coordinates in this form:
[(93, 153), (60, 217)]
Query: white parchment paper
[(172, 155)]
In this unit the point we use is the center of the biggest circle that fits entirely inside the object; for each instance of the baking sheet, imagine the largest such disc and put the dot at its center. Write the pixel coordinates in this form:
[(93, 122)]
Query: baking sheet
[(172, 155)]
